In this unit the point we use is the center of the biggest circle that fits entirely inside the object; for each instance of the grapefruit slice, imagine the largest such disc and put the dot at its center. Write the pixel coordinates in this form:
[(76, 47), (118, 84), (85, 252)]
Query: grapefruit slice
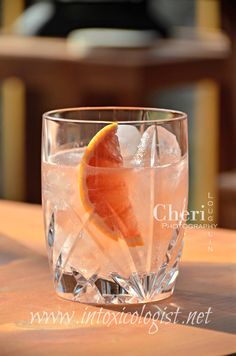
[(103, 189)]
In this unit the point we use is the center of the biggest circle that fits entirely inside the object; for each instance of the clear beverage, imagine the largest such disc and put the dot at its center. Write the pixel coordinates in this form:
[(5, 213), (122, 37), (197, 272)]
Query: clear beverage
[(88, 264)]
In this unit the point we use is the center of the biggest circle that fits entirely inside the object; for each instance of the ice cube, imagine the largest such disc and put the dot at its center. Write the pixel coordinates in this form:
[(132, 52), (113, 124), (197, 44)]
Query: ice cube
[(170, 151), (129, 138), (70, 157), (58, 187), (157, 146)]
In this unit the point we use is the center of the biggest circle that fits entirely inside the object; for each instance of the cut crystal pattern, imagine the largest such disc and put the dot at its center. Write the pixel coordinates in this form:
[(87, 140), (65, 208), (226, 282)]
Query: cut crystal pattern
[(137, 288)]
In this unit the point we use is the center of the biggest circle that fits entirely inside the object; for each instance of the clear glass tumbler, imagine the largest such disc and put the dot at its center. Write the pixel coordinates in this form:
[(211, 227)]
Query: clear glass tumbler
[(114, 192)]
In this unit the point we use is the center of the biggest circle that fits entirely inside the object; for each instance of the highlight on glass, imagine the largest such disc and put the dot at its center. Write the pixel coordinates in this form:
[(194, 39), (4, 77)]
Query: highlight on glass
[(114, 192)]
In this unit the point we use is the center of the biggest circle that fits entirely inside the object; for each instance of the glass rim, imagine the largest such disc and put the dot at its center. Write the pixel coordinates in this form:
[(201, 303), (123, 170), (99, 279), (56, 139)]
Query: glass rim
[(49, 115)]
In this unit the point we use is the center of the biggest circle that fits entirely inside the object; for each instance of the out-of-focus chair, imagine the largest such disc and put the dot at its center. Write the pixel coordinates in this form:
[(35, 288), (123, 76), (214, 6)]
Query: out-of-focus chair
[(58, 73), (227, 200)]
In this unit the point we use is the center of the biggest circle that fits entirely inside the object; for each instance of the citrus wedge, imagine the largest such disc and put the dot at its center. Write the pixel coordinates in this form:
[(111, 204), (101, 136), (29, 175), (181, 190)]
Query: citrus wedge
[(103, 190)]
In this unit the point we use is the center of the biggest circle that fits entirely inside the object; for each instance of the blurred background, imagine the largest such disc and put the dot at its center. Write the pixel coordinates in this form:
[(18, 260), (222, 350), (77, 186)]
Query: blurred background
[(163, 53)]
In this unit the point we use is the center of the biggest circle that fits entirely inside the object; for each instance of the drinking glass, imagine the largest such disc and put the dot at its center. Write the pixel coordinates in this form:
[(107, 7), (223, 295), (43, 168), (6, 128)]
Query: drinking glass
[(114, 193)]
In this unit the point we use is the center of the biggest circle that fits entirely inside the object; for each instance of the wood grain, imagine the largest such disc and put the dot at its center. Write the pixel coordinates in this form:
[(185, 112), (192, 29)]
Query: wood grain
[(207, 279)]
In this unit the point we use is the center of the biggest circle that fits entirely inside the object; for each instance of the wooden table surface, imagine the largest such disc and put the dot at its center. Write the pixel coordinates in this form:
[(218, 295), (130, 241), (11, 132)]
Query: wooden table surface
[(207, 280)]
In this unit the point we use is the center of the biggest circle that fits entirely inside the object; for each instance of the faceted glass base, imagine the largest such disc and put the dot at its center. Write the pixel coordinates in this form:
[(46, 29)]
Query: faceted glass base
[(116, 299), (73, 282), (138, 288), (79, 275)]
